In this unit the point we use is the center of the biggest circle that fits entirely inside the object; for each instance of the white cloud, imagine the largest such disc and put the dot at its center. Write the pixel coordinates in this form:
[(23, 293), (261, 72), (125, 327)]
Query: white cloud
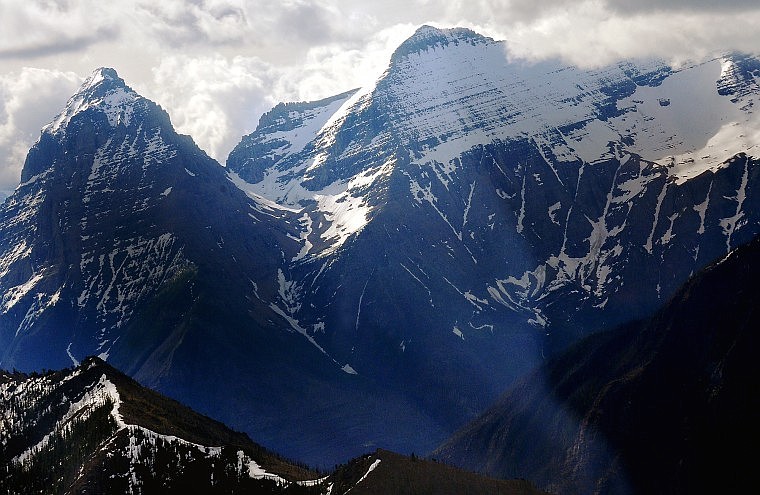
[(694, 6), (589, 34), (217, 99), (182, 23), (216, 65), (26, 98), (212, 98), (37, 28), (329, 69)]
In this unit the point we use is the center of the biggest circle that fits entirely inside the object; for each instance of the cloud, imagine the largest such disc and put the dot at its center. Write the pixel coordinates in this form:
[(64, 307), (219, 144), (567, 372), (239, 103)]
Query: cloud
[(330, 69), (306, 22), (37, 28), (182, 23), (692, 6), (217, 65), (598, 32), (259, 26), (213, 98), (217, 99), (61, 45), (26, 98), (590, 35)]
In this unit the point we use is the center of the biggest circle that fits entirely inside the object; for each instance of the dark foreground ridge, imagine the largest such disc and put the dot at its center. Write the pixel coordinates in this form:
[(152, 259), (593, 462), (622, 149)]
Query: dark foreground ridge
[(92, 429), (386, 472), (95, 430)]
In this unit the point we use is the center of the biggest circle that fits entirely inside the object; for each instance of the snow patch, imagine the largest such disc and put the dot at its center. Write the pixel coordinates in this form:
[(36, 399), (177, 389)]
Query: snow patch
[(553, 209), (348, 369), (372, 467), (16, 252), (255, 471), (71, 356), (348, 211), (15, 294), (735, 222), (251, 191), (660, 198), (305, 222), (701, 209)]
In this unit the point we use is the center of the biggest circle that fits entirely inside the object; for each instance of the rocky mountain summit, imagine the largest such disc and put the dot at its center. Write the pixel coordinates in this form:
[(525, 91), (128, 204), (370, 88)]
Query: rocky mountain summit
[(478, 215)]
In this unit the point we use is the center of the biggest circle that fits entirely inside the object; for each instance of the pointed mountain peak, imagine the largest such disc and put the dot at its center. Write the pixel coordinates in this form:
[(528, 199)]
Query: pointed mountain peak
[(103, 91), (104, 76), (426, 31), (427, 37)]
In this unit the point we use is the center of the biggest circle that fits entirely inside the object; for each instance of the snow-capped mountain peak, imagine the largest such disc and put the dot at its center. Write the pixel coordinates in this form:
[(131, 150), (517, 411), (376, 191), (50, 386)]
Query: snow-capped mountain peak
[(428, 37), (101, 77), (105, 92), (117, 175), (511, 189)]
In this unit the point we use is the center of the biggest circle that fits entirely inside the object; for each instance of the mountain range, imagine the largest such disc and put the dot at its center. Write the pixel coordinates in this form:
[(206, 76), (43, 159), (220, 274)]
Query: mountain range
[(376, 268)]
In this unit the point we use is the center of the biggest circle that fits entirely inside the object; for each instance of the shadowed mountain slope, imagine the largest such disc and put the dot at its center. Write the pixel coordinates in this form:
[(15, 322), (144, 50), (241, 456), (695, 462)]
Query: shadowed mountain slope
[(666, 405)]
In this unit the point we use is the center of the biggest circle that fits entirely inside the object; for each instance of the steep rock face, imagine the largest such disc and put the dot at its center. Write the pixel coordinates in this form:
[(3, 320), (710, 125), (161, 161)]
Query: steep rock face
[(115, 209), (467, 216), (283, 131), (125, 240), (667, 405)]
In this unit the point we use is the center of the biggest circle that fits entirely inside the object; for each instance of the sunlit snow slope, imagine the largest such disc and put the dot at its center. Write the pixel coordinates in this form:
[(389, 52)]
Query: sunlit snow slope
[(467, 215)]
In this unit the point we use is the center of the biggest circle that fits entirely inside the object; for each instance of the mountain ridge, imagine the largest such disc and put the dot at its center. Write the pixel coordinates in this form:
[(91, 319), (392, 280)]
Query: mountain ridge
[(93, 429), (104, 419), (133, 244)]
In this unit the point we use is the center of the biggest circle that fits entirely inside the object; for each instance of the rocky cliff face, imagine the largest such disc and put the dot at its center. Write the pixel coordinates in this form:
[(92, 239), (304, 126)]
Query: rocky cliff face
[(124, 240), (114, 208), (466, 217)]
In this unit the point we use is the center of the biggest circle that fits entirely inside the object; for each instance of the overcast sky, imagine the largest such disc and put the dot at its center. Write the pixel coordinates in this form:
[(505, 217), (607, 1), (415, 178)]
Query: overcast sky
[(217, 65)]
